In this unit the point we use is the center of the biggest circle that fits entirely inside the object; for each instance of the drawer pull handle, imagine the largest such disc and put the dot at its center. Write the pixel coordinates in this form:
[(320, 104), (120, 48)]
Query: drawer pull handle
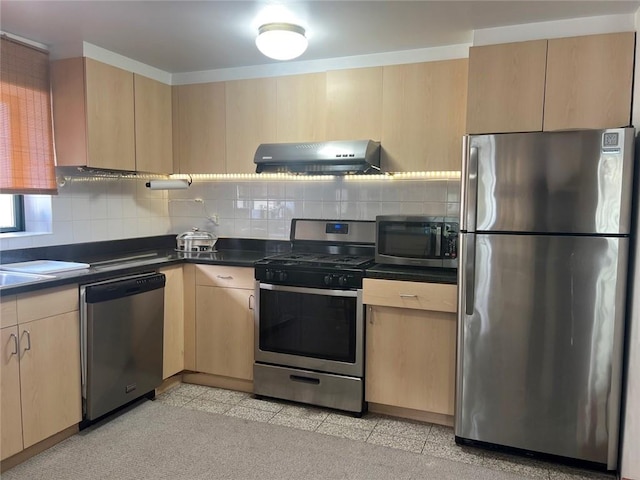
[(225, 277), (251, 300), (408, 295), (309, 380), (15, 344)]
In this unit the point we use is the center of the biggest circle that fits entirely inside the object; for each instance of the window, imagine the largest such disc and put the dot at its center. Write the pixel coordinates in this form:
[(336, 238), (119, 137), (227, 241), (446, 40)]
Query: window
[(11, 213), (26, 141)]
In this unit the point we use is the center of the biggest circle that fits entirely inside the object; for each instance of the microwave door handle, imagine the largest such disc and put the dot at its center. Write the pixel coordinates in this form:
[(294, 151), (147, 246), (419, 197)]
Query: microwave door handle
[(438, 241)]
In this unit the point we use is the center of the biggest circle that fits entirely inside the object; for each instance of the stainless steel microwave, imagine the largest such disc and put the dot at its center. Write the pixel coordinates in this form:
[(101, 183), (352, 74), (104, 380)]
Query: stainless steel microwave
[(417, 240)]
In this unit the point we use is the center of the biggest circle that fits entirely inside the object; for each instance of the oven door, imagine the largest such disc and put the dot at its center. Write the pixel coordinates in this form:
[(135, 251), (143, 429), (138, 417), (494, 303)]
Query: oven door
[(310, 328)]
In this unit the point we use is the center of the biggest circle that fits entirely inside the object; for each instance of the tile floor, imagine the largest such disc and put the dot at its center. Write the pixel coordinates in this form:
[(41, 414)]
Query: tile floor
[(419, 438)]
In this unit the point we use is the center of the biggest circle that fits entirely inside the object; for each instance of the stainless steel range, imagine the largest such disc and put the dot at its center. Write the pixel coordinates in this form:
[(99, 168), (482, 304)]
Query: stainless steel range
[(309, 316)]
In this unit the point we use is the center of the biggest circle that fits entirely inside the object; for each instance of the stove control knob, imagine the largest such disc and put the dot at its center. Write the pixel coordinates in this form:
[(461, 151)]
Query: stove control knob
[(282, 276), (327, 279), (269, 274), (342, 281)]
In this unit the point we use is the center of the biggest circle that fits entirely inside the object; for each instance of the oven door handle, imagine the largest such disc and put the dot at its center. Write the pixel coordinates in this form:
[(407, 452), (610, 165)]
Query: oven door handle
[(310, 291)]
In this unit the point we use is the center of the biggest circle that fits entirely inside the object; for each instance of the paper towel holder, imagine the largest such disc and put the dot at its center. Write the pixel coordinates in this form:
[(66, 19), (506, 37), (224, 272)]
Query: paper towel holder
[(171, 184)]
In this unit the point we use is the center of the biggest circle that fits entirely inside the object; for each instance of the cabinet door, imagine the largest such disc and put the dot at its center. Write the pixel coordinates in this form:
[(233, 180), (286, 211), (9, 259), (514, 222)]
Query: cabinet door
[(110, 116), (301, 108), (410, 360), (251, 114), (506, 87), (10, 411), (423, 116), (225, 332), (354, 104), (49, 376), (173, 343), (199, 128), (589, 82), (153, 125)]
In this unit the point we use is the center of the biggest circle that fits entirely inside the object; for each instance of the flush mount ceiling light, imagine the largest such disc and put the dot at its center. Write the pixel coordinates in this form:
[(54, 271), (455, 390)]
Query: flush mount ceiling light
[(281, 41)]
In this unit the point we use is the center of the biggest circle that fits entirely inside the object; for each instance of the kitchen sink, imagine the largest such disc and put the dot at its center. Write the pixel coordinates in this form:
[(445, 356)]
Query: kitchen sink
[(15, 278)]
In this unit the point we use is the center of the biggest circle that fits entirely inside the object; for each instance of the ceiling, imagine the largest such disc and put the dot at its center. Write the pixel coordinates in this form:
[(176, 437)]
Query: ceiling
[(187, 36)]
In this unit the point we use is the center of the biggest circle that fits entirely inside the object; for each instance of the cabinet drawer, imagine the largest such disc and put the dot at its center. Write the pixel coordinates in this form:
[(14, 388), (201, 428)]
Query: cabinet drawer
[(422, 296), (223, 276), (8, 311), (47, 303)]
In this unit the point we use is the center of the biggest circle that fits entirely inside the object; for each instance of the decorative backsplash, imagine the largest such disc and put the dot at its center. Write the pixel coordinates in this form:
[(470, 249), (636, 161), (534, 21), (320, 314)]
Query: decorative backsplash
[(98, 209)]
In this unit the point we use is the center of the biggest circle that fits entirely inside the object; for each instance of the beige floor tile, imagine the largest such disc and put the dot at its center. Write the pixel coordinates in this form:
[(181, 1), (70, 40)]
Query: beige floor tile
[(514, 464), (190, 390), (173, 399), (300, 423), (308, 413), (208, 405), (262, 404), (402, 443), (403, 428), (471, 456), (442, 435), (562, 472), (224, 396), (337, 430), (366, 422), (250, 414)]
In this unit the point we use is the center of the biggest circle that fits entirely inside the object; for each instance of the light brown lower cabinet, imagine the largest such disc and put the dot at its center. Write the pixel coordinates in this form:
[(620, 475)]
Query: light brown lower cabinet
[(40, 369), (410, 345), (173, 335), (224, 321)]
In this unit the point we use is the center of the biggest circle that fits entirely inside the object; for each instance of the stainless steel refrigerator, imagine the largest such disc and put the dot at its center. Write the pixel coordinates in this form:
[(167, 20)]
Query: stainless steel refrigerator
[(544, 243)]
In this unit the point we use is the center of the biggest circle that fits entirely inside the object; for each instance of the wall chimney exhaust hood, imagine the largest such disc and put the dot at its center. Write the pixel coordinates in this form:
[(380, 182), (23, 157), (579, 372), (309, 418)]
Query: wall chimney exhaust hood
[(319, 158)]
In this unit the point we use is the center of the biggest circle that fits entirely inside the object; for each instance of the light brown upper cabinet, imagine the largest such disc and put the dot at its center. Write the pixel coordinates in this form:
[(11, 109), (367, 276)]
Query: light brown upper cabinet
[(423, 115), (559, 84), (152, 101), (354, 104), (199, 128), (589, 81), (301, 108), (93, 114), (506, 87), (250, 116)]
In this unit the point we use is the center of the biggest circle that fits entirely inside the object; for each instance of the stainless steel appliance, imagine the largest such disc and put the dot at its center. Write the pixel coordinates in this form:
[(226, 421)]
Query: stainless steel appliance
[(542, 283), (334, 158), (309, 316), (121, 325), (417, 240), (196, 240)]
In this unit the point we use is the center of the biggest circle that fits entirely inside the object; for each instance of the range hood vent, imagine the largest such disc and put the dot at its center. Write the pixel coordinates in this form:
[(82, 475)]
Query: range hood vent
[(320, 158)]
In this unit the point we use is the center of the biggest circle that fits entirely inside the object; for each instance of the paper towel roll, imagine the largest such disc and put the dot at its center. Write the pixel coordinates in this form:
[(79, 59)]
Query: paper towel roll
[(168, 184)]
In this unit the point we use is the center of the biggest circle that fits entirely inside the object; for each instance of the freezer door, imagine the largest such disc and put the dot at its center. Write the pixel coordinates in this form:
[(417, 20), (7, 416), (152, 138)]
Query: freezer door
[(553, 182), (540, 343)]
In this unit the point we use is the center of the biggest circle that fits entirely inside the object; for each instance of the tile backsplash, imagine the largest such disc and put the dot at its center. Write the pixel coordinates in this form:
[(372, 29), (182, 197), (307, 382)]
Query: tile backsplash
[(264, 209), (99, 209)]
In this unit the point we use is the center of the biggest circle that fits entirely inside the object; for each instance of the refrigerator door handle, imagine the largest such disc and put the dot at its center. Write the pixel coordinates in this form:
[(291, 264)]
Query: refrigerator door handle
[(469, 272), (471, 199)]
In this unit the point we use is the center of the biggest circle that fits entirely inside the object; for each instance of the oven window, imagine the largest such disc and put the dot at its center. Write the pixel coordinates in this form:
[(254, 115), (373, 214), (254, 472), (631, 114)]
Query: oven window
[(317, 326), (407, 239)]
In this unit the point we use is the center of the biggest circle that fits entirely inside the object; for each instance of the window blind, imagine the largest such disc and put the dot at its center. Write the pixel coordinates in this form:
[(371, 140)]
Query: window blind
[(26, 144)]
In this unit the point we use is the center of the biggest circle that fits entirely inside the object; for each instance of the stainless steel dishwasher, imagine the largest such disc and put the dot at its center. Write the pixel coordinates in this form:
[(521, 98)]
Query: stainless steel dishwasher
[(121, 324)]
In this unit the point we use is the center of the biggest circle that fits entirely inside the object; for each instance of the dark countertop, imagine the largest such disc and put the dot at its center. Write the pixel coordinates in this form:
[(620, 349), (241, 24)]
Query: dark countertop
[(413, 274), (128, 257)]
